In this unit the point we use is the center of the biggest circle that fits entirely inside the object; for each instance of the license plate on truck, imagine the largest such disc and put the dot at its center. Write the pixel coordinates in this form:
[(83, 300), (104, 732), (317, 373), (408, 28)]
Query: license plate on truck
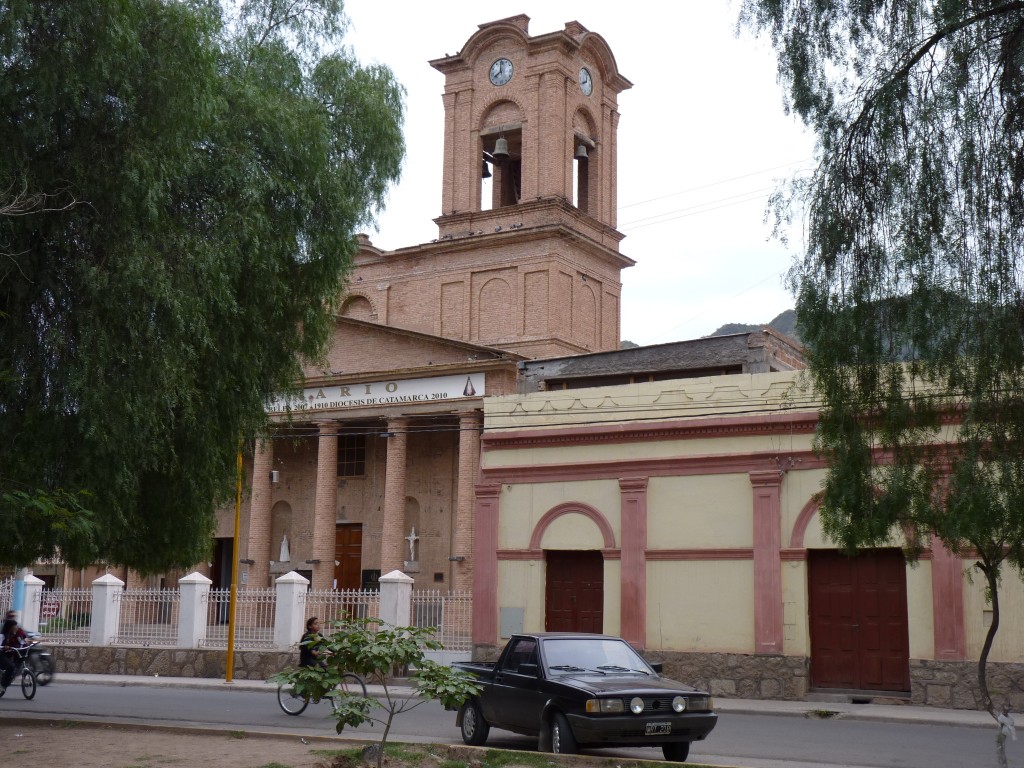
[(657, 729)]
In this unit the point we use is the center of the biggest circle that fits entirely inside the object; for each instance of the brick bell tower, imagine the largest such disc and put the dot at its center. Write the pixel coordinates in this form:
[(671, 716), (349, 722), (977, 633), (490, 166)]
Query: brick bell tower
[(529, 180)]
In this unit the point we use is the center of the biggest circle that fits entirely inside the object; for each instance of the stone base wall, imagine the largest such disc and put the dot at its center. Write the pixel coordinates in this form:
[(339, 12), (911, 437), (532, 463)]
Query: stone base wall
[(736, 675), (947, 684), (954, 684), (170, 662)]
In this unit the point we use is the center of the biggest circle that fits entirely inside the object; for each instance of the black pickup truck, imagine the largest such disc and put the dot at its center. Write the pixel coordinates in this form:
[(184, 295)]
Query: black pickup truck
[(575, 690)]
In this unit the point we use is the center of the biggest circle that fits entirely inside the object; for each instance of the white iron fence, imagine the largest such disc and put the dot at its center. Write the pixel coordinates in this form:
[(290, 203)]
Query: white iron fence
[(65, 615), (254, 618), (193, 615), (331, 605), (451, 613), (147, 617), (6, 592)]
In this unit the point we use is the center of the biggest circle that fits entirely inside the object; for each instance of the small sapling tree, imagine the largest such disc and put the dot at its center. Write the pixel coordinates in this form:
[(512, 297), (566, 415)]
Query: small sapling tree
[(373, 650)]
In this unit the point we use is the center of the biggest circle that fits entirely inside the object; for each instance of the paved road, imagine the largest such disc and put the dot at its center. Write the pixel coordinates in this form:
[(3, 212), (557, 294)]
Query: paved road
[(750, 734)]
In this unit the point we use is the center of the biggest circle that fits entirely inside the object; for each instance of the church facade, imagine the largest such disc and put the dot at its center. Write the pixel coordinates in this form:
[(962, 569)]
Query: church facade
[(374, 468)]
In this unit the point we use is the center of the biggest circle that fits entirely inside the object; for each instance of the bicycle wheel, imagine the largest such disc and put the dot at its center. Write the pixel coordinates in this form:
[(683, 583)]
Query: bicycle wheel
[(28, 683), (351, 684), (290, 701)]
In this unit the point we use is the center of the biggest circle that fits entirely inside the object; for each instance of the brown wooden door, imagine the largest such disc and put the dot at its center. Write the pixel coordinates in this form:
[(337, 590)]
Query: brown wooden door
[(348, 554), (858, 620), (574, 593)]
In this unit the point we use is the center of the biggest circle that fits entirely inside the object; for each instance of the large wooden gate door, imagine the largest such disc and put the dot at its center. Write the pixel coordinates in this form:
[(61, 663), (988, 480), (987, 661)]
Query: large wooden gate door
[(348, 554), (858, 620), (574, 592)]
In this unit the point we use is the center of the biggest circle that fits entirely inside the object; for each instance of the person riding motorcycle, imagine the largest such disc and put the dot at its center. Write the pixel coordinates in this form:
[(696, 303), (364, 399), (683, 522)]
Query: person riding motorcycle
[(11, 636)]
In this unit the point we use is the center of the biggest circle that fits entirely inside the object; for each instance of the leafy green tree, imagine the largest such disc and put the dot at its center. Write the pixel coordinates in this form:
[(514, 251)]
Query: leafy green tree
[(374, 650), (910, 290), (185, 181)]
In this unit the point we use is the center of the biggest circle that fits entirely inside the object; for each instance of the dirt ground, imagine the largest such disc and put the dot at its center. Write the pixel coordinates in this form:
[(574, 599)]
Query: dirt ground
[(101, 746), (96, 745)]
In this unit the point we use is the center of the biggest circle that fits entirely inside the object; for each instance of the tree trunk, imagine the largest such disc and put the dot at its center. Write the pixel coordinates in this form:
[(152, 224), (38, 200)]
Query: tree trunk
[(992, 581)]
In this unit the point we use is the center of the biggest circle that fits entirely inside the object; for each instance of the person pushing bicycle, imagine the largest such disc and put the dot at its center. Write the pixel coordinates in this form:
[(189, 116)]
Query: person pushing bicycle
[(308, 654)]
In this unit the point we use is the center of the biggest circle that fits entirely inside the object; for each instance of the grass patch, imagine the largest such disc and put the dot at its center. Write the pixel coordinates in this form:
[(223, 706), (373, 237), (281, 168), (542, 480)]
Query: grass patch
[(407, 753), (498, 758), (823, 714), (237, 735), (275, 765), (352, 752)]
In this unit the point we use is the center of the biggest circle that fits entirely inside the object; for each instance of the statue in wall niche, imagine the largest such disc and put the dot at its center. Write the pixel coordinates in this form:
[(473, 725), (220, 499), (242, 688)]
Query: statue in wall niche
[(286, 554)]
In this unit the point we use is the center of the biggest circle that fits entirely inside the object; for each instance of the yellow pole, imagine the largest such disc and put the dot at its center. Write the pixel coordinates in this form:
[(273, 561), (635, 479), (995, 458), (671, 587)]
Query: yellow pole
[(229, 677)]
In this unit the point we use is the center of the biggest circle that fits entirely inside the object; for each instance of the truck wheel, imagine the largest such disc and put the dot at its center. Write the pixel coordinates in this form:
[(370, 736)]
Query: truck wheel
[(562, 740), (676, 752), (474, 727)]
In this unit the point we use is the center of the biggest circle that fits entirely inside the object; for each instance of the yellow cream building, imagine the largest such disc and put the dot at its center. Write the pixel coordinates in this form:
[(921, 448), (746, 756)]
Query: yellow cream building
[(682, 514)]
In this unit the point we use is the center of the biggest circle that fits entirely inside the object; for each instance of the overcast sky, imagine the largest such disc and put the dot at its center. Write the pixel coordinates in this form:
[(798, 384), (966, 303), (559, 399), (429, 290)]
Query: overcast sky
[(693, 180)]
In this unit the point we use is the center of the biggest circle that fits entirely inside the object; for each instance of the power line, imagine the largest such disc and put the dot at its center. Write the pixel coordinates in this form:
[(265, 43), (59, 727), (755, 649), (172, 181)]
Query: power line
[(714, 183), (698, 208)]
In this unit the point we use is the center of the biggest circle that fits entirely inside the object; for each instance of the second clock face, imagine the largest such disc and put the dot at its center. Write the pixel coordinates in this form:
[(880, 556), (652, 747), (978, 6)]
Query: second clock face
[(586, 82), (501, 71)]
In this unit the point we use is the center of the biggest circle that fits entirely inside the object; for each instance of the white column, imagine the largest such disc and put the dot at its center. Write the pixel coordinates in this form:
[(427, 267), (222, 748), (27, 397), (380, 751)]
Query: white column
[(396, 599), (106, 610), (33, 598), (194, 591), (290, 611)]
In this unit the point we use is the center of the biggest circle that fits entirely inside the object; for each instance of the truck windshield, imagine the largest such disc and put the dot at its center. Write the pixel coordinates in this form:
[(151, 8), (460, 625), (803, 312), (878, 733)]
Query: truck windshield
[(602, 654)]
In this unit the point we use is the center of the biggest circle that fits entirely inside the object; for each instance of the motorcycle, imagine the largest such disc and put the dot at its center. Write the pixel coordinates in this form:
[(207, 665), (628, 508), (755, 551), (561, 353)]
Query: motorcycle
[(40, 659)]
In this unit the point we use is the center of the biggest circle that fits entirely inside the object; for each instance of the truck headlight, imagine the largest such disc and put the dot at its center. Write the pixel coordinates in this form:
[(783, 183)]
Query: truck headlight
[(604, 706), (679, 704), (636, 705)]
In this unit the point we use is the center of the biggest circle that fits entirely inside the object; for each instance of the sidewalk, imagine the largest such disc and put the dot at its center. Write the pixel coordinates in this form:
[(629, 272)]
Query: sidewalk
[(864, 712)]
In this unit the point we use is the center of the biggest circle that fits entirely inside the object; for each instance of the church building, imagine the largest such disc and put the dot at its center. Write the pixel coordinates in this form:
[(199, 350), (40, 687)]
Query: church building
[(374, 469)]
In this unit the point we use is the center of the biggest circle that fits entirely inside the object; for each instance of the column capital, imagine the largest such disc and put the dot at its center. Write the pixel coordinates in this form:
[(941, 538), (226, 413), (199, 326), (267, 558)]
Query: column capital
[(488, 490), (633, 484), (768, 477), (328, 427)]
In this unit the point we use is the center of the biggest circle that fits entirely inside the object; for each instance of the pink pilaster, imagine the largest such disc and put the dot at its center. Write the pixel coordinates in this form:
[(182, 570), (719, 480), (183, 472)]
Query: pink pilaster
[(767, 562), (633, 618), (947, 604), (485, 570)]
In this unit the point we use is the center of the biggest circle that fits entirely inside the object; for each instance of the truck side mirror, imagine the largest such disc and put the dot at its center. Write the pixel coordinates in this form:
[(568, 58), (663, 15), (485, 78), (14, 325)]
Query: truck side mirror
[(529, 670), (656, 666)]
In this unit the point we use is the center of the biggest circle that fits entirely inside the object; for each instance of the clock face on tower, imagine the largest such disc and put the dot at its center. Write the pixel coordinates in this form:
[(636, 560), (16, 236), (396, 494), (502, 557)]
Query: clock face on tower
[(586, 82), (501, 71)]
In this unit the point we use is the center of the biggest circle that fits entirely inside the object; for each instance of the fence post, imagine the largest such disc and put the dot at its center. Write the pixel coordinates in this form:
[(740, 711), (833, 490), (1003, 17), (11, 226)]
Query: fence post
[(194, 591), (290, 611), (396, 599), (33, 597), (106, 610)]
